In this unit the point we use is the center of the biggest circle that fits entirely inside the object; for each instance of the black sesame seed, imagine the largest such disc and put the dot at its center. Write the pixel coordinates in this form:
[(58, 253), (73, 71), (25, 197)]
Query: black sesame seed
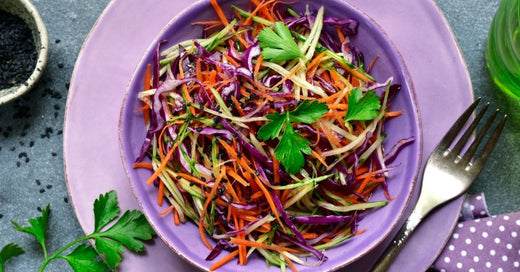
[(18, 164), (39, 209), (1, 215), (42, 191), (38, 182), (49, 186), (66, 199), (221, 190), (56, 95)]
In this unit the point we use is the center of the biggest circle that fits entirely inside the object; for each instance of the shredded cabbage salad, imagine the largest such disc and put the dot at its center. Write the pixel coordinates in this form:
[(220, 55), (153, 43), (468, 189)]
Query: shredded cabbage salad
[(267, 133)]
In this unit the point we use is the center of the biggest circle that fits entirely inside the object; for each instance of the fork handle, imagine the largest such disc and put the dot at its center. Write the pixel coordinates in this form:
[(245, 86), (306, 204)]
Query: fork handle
[(397, 243)]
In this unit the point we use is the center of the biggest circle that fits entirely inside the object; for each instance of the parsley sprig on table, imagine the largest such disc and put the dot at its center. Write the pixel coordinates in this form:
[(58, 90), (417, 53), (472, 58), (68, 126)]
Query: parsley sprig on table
[(292, 146), (110, 241), (9, 251)]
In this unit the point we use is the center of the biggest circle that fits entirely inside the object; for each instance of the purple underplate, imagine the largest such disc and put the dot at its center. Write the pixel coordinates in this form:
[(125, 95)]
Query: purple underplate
[(372, 41), (122, 35)]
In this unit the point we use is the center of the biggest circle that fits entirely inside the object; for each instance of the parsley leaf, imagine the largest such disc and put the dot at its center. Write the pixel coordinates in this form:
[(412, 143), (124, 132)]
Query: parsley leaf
[(38, 226), (278, 44), (112, 251), (290, 150), (272, 129), (362, 107), (83, 259), (128, 230), (292, 146), (105, 210), (9, 251), (308, 112)]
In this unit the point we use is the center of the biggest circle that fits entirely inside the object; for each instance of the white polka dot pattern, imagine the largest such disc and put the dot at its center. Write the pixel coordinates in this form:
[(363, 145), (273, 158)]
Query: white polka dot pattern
[(483, 244)]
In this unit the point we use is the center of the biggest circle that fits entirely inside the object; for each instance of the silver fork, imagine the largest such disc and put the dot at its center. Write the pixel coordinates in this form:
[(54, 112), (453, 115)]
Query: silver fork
[(447, 174)]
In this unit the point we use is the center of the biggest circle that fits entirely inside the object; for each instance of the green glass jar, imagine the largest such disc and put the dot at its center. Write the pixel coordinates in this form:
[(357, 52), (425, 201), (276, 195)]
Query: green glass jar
[(503, 48)]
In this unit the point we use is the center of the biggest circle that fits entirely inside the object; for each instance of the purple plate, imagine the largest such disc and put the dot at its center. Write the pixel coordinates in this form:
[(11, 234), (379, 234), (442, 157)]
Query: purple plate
[(417, 28), (372, 41)]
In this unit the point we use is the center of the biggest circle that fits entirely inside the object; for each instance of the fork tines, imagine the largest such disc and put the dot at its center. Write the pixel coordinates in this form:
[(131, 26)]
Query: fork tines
[(468, 158)]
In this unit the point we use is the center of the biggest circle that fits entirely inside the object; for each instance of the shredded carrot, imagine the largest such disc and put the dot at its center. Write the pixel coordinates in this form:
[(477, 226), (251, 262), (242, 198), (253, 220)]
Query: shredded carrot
[(360, 231), (191, 179), (393, 113), (146, 165), (219, 12), (160, 194), (291, 264), (242, 248), (236, 176), (248, 243), (167, 210), (341, 36), (319, 157), (175, 217), (162, 165), (147, 80), (206, 204), (276, 168), (223, 261), (313, 65)]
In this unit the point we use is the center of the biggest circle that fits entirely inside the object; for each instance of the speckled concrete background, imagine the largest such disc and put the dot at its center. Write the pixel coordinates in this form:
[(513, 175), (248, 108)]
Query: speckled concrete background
[(31, 171)]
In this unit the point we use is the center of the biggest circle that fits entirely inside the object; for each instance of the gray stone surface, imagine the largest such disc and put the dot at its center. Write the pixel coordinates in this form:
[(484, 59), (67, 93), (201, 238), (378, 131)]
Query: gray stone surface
[(31, 171)]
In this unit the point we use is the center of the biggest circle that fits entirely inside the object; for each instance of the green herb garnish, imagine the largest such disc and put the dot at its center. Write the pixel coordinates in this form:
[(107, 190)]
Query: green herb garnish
[(128, 231), (362, 107), (9, 251), (278, 45), (292, 146)]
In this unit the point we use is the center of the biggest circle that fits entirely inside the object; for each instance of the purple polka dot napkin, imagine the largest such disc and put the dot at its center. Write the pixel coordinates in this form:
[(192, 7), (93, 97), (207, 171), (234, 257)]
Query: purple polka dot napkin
[(481, 242)]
